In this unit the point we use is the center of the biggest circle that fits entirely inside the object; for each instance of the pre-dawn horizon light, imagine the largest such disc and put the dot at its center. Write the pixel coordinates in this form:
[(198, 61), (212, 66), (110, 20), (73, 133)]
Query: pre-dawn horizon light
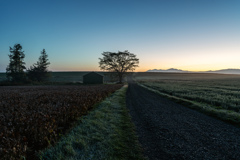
[(197, 35)]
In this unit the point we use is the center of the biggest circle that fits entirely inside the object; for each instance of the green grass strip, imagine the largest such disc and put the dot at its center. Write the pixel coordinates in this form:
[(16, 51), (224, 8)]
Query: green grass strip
[(105, 133), (222, 114)]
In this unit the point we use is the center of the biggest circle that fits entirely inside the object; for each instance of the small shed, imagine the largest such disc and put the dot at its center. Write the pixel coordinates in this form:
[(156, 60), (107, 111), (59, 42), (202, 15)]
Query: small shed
[(93, 78)]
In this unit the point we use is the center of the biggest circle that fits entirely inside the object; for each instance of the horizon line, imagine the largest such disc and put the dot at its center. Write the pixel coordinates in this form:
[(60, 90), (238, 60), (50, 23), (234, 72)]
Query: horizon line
[(140, 71)]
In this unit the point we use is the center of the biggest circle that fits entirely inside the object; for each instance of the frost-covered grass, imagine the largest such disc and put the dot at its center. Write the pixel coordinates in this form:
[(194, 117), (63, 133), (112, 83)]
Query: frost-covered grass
[(219, 97), (105, 133)]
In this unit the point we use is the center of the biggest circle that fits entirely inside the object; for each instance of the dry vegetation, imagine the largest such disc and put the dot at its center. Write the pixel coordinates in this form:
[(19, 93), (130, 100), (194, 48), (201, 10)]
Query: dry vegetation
[(32, 118), (106, 132)]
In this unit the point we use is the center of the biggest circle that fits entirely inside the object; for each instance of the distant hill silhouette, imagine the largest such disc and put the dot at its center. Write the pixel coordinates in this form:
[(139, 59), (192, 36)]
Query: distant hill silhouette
[(167, 70), (174, 70), (226, 71)]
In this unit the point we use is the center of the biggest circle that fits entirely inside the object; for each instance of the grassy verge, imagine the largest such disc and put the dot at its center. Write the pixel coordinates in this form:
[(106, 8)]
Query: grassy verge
[(222, 114), (105, 133)]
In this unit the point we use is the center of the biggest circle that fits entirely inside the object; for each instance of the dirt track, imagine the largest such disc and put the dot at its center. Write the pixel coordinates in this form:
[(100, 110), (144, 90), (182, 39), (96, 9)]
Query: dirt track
[(168, 130)]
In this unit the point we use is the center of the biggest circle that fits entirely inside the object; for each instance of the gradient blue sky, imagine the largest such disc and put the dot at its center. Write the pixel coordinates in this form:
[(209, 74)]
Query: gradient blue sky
[(194, 35)]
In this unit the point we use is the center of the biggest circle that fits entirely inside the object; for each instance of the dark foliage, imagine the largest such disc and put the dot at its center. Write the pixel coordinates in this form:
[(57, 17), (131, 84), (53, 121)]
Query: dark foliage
[(16, 67), (38, 72), (120, 63)]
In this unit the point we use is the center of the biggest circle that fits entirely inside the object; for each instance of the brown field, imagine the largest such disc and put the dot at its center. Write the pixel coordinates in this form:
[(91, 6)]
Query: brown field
[(33, 117)]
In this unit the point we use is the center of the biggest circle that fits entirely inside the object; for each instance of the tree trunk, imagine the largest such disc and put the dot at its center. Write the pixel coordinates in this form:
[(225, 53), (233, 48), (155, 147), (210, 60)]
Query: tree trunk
[(120, 78)]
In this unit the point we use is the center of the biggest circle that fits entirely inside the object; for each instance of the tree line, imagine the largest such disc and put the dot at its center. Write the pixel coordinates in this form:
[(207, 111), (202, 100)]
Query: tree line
[(117, 63), (16, 70)]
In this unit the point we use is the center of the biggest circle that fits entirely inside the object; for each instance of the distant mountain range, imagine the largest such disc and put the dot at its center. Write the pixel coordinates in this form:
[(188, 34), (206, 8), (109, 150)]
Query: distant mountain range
[(174, 70), (167, 70), (226, 71)]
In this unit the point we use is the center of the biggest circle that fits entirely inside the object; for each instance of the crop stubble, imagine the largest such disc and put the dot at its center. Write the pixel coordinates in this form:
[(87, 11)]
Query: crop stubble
[(33, 117)]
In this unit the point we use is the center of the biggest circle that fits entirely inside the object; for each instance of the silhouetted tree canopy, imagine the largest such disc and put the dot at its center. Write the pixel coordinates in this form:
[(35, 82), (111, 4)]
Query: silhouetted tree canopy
[(120, 63), (39, 72), (15, 69)]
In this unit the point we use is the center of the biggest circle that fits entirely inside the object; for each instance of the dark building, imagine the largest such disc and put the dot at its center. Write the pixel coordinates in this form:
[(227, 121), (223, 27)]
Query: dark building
[(93, 78)]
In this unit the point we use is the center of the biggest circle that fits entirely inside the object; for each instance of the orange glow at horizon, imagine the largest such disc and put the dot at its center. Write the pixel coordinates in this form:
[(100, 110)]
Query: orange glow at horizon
[(202, 60), (190, 59)]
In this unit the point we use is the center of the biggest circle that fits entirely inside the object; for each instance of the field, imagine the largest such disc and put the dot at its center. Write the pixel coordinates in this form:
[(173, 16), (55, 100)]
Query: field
[(2, 77), (67, 76), (34, 117), (106, 132), (214, 94)]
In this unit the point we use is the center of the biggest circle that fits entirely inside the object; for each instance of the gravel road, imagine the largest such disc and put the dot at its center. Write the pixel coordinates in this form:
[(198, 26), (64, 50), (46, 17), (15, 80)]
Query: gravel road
[(168, 130)]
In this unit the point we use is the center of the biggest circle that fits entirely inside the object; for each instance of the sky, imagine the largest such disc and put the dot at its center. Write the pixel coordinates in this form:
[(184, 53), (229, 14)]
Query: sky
[(194, 35)]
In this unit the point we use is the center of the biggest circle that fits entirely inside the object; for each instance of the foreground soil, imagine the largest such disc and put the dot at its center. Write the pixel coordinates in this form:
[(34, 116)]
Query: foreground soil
[(168, 130)]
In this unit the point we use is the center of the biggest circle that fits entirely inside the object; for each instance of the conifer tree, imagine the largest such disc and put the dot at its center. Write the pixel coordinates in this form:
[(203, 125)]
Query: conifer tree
[(39, 72), (16, 67)]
